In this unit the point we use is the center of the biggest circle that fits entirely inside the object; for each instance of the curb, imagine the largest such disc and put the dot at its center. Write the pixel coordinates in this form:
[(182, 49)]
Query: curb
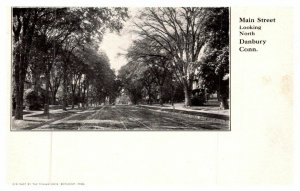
[(199, 115)]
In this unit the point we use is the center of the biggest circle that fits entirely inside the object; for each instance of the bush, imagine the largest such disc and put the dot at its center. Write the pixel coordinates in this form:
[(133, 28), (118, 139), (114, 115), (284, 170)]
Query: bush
[(198, 97), (197, 101), (32, 99)]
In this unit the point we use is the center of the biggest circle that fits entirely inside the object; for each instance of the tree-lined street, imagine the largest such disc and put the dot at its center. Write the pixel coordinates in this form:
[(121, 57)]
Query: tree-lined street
[(175, 55), (130, 118)]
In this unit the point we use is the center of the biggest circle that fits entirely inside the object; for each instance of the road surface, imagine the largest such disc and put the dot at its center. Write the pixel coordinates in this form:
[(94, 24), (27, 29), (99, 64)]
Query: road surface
[(124, 117)]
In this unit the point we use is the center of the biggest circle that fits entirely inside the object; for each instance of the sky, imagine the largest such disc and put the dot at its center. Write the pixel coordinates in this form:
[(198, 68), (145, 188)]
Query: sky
[(114, 44)]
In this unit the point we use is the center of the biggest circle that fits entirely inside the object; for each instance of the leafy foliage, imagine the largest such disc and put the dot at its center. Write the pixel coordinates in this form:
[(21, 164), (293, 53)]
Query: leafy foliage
[(183, 33), (33, 100), (44, 37)]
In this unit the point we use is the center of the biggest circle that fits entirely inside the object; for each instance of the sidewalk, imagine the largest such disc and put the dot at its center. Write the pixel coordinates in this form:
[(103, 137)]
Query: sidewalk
[(200, 111), (33, 119)]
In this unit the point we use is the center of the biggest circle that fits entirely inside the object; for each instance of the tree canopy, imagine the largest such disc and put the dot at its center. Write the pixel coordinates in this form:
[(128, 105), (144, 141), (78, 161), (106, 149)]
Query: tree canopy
[(57, 37), (189, 43)]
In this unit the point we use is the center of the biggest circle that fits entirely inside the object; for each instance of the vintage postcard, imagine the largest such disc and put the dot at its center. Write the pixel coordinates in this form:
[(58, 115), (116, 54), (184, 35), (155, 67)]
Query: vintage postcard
[(107, 68), (175, 97)]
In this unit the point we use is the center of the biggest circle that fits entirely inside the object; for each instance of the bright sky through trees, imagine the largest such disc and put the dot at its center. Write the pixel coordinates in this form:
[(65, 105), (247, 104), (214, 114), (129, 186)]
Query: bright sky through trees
[(115, 45)]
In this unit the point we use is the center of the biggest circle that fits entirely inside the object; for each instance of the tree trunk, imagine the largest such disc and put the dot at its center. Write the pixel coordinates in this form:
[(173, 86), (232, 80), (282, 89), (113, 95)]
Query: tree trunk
[(224, 103), (64, 89), (187, 96), (53, 97), (172, 95), (87, 96), (223, 94), (149, 95), (36, 81), (84, 97), (53, 93), (160, 87), (20, 74), (73, 99), (46, 105), (19, 100), (79, 93), (19, 83)]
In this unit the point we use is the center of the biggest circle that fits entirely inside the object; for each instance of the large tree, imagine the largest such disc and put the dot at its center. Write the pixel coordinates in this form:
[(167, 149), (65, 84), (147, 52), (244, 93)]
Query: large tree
[(214, 69), (182, 32), (99, 80), (24, 27), (157, 61), (131, 76)]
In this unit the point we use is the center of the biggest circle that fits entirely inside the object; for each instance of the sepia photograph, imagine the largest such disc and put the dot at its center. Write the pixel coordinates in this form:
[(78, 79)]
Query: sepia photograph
[(120, 69)]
